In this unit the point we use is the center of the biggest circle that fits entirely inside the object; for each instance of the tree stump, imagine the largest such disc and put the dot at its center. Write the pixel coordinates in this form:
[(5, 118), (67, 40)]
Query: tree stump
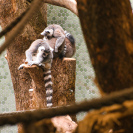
[(63, 74), (63, 78)]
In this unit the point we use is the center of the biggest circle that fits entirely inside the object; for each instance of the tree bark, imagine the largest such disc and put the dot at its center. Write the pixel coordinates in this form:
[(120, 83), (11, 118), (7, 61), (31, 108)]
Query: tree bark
[(112, 119), (63, 78), (22, 81), (63, 71), (108, 31)]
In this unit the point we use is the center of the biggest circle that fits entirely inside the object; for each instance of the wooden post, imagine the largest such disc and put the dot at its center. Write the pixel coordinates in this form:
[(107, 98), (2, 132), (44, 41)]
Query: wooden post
[(63, 72), (63, 77)]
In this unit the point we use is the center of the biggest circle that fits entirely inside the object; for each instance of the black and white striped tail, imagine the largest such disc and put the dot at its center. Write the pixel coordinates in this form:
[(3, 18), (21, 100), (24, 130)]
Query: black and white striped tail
[(70, 37), (48, 87)]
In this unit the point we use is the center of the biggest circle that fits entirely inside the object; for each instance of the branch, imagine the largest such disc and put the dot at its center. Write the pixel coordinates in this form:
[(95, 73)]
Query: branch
[(108, 118), (19, 27), (69, 4), (36, 115)]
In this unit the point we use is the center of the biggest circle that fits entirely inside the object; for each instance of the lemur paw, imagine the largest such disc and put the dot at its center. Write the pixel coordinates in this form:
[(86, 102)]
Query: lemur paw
[(41, 65), (21, 66), (30, 63)]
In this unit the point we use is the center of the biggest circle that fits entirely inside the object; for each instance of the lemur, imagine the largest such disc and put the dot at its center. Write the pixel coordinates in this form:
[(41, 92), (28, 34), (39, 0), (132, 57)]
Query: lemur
[(37, 55), (43, 58), (61, 41), (55, 31)]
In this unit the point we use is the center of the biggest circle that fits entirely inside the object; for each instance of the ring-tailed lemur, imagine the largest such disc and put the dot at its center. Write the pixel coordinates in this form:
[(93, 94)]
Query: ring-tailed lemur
[(44, 59), (61, 41), (67, 51), (55, 31)]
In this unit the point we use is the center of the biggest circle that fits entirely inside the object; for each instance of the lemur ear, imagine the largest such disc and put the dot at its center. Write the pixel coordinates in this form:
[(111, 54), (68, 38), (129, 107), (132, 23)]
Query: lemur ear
[(47, 31), (65, 31), (42, 33), (44, 39)]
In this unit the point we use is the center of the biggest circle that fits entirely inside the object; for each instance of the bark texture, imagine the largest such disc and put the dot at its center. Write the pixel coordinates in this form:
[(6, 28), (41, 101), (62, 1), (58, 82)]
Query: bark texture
[(63, 71), (108, 31), (22, 81), (63, 78), (16, 52), (112, 119)]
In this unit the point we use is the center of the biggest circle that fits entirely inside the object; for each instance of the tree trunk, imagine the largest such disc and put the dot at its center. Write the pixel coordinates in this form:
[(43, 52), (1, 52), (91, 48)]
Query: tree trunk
[(22, 81), (31, 78), (108, 31), (63, 78)]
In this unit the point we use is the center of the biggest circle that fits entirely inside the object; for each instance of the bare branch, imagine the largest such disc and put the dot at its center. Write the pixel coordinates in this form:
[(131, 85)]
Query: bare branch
[(69, 4), (35, 115)]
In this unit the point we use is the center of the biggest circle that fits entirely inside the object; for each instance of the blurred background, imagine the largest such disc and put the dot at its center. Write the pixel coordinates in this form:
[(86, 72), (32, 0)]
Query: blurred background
[(85, 87)]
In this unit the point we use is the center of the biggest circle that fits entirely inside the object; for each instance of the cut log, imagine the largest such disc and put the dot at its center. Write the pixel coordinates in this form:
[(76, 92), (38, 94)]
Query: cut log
[(63, 72), (63, 78)]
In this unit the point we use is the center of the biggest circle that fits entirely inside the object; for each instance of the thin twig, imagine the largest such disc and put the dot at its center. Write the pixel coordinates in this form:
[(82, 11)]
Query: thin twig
[(35, 115)]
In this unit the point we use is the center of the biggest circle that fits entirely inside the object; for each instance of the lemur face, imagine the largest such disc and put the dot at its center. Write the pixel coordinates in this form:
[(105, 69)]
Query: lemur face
[(44, 51), (47, 32), (41, 49)]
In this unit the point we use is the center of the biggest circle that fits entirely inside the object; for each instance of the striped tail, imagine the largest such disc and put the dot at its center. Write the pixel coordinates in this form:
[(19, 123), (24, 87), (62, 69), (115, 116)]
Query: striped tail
[(70, 37), (48, 87)]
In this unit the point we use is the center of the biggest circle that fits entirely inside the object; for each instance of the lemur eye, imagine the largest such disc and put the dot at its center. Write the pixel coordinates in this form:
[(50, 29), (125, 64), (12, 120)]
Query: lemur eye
[(47, 51), (47, 32)]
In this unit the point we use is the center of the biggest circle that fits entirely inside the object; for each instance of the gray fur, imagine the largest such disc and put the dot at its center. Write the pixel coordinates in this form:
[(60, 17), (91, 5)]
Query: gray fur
[(40, 53), (54, 31)]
